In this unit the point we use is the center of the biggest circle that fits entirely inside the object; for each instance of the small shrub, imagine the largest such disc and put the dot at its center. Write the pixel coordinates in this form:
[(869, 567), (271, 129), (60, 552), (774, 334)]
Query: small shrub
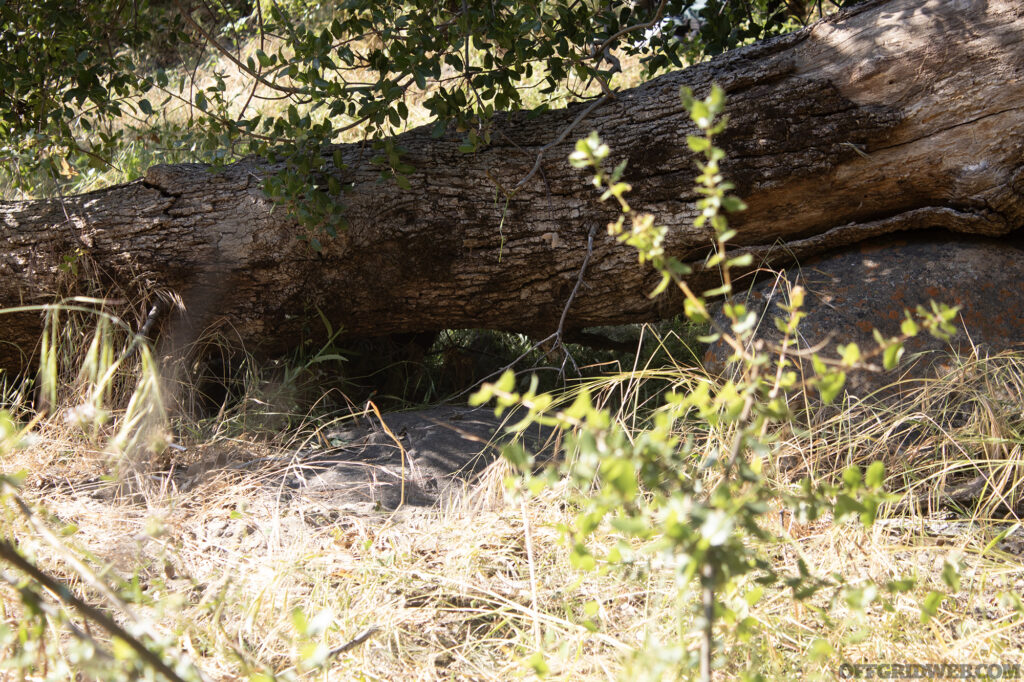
[(691, 486)]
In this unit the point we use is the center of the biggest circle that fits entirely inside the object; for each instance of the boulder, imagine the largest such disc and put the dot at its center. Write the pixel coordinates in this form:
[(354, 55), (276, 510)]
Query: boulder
[(416, 458), (850, 293)]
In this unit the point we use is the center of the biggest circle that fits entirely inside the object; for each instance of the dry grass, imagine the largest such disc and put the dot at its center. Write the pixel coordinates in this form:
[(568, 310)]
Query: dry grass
[(475, 589)]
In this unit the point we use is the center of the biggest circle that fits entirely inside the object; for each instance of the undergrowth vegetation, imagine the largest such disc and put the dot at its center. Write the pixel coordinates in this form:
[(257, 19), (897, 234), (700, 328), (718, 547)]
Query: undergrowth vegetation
[(752, 527), (483, 588)]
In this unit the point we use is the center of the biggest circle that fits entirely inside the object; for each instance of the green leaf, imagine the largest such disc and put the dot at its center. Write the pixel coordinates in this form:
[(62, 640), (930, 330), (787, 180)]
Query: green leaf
[(951, 576), (517, 455), (718, 291), (852, 477), (697, 144), (717, 527), (850, 354), (859, 598), (733, 204), (620, 475), (299, 621), (875, 477), (662, 285), (581, 407), (846, 506), (892, 354), (630, 525), (536, 484), (581, 558), (700, 114), (507, 382), (716, 100), (619, 170), (901, 585), (930, 605), (686, 96), (121, 649), (480, 397), (741, 261), (820, 650), (538, 664), (870, 513), (830, 385)]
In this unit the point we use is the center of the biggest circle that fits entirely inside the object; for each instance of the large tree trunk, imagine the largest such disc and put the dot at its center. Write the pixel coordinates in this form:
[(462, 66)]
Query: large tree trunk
[(898, 115)]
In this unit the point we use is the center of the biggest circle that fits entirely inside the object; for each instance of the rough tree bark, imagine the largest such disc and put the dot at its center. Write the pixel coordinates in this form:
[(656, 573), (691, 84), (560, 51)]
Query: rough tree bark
[(898, 115)]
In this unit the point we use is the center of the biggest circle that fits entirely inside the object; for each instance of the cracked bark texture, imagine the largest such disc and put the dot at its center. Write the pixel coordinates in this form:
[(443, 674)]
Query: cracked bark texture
[(898, 115)]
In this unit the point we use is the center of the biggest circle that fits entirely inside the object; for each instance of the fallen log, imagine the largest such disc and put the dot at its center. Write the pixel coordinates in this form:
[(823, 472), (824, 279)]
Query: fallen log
[(898, 115)]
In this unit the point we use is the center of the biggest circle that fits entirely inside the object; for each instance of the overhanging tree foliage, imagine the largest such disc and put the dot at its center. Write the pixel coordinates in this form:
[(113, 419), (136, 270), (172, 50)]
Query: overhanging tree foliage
[(69, 69), (897, 115)]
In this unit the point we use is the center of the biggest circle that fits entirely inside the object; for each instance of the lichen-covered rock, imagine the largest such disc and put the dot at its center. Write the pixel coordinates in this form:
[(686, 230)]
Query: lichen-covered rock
[(852, 292)]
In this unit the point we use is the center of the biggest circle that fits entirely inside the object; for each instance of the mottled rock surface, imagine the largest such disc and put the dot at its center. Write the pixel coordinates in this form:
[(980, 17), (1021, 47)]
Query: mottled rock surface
[(428, 455), (850, 293), (415, 458)]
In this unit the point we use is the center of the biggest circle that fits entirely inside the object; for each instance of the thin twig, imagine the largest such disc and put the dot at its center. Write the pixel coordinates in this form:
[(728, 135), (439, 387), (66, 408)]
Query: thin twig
[(558, 140), (83, 571), (547, 186), (528, 540), (359, 639), (17, 583), (187, 16), (509, 366), (555, 337), (11, 555), (560, 332), (629, 29), (579, 280)]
